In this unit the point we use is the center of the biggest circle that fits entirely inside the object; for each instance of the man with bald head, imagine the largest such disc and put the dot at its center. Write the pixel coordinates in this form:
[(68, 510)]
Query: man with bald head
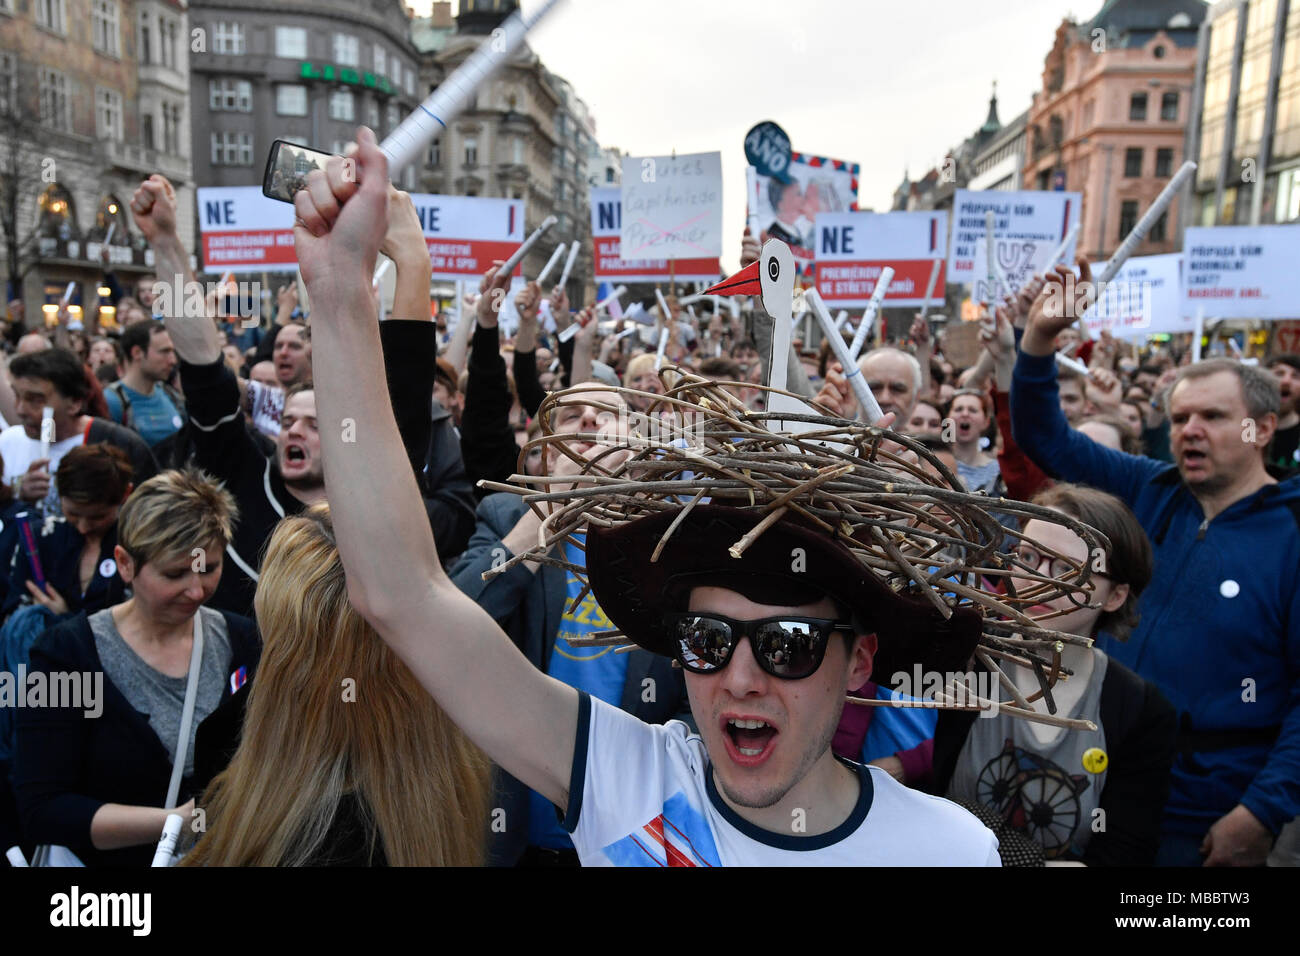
[(893, 376), (33, 342)]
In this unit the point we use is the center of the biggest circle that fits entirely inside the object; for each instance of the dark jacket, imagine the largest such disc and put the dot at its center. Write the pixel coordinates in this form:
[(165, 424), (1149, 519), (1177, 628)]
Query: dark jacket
[(225, 449), (1140, 727), (1220, 627), (59, 545), (529, 607), (68, 765), (487, 441)]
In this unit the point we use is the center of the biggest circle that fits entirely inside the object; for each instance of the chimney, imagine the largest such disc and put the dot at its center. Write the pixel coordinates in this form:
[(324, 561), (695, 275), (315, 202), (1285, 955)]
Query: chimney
[(442, 14)]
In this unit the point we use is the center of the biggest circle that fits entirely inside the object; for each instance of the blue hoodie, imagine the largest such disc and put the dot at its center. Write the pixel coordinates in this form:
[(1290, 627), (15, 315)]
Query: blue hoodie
[(1220, 626)]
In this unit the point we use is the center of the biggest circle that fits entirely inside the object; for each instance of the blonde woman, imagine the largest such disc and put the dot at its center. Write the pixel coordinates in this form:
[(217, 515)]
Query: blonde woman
[(345, 759), (93, 774)]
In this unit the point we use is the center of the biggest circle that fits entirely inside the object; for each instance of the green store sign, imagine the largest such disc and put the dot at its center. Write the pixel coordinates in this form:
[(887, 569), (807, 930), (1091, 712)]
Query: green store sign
[(334, 74)]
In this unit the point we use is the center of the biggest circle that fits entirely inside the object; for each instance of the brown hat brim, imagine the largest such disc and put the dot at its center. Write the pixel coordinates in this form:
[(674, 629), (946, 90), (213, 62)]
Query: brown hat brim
[(789, 565)]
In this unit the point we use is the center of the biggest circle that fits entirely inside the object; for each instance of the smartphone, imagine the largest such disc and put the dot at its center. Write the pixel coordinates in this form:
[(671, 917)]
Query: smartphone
[(287, 167)]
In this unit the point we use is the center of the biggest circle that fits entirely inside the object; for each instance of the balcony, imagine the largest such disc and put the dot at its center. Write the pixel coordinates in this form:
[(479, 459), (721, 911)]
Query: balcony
[(140, 160)]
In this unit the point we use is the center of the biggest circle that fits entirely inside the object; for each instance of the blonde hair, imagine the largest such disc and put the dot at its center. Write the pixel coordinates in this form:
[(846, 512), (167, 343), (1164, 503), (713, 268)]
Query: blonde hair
[(639, 365), (422, 788), (171, 513)]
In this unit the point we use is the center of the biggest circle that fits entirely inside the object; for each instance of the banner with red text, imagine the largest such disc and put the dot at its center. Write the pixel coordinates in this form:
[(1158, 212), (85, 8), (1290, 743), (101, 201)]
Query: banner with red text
[(854, 247)]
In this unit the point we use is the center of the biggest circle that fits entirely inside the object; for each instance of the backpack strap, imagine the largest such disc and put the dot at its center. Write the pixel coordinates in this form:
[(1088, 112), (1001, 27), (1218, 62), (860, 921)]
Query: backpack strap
[(117, 389)]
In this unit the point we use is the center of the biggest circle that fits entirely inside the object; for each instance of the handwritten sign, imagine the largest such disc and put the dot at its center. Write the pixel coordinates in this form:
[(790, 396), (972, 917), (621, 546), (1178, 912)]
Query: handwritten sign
[(607, 223), (671, 207), (1243, 272), (1028, 225), (854, 247)]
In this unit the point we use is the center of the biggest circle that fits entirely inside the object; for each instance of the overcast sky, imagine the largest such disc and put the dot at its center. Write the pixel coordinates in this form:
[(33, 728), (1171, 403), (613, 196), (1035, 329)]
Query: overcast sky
[(891, 86)]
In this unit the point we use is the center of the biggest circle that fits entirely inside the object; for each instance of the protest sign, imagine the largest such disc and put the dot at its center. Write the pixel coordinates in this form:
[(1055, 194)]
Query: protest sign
[(767, 147), (606, 224), (1145, 297), (788, 210), (1029, 227), (1243, 272), (853, 247), (466, 233), (244, 231), (671, 207)]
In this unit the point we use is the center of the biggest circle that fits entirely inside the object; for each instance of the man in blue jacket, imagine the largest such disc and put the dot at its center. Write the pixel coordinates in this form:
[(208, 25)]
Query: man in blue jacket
[(1220, 628)]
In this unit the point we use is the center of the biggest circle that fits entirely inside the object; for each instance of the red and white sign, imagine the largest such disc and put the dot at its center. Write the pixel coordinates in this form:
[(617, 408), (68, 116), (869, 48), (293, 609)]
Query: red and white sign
[(243, 231), (853, 248), (465, 234), (606, 226)]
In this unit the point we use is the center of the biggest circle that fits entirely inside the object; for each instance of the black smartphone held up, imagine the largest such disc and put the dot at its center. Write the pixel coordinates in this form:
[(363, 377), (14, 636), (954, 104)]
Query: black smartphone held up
[(287, 168)]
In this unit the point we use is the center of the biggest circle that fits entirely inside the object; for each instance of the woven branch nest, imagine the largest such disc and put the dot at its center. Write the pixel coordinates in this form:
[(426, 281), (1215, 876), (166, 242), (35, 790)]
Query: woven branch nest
[(926, 535)]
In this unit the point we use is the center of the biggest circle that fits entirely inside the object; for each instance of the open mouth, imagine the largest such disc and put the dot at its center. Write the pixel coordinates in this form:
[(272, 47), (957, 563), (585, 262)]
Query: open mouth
[(749, 740), (295, 454), (1193, 458)]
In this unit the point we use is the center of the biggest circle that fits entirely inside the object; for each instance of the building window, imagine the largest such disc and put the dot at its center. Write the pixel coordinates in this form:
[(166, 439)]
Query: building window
[(372, 114), (397, 72), (171, 129), (410, 82), (108, 114), (232, 149), (381, 60), (1133, 162), (1128, 217), (1159, 228), (471, 151), (347, 50), (8, 82), (519, 151), (146, 130), (291, 100), (146, 40), (167, 36), (1164, 162), (52, 14), (1169, 107), (228, 38), (104, 27), (435, 154), (230, 96), (393, 117), (56, 108), (1137, 106), (291, 42), (342, 105)]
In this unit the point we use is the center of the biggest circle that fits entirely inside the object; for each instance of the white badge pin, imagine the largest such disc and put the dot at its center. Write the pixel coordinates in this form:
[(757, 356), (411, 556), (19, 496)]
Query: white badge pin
[(176, 420), (107, 568), (1230, 588)]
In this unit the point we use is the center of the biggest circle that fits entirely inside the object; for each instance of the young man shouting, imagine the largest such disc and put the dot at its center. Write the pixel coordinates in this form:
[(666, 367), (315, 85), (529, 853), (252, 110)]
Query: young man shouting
[(768, 658)]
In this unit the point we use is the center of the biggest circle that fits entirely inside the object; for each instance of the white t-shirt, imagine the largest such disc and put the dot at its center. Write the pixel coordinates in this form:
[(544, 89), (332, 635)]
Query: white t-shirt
[(643, 795), (19, 452)]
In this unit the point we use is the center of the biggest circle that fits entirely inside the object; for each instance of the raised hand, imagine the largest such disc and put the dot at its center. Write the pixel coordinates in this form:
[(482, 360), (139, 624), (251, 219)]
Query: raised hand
[(342, 216), (750, 249), (835, 392), (527, 300), (1060, 303), (404, 241), (492, 289), (153, 207)]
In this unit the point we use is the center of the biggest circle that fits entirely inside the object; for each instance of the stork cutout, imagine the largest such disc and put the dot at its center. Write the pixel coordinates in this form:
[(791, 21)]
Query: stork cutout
[(771, 278)]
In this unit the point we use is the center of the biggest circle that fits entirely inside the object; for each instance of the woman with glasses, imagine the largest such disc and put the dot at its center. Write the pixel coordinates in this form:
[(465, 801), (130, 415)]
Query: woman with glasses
[(1093, 797)]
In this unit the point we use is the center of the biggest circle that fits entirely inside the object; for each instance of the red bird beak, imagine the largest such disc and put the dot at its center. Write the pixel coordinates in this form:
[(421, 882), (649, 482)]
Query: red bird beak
[(744, 282)]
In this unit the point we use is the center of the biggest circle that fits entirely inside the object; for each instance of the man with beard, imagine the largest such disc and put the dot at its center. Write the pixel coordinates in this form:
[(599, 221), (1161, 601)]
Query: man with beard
[(288, 479), (1284, 454), (1220, 620)]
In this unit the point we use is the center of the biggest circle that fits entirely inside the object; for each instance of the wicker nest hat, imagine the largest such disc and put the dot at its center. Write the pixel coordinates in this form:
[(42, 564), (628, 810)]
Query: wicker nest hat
[(700, 491)]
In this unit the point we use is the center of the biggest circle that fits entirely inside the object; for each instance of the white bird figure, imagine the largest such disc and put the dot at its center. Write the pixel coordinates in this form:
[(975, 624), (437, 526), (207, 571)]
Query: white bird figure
[(771, 278)]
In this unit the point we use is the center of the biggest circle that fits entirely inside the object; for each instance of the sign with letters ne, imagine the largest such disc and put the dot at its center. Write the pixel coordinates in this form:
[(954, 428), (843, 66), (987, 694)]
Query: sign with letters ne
[(672, 207), (243, 231), (466, 233), (854, 247), (1243, 272)]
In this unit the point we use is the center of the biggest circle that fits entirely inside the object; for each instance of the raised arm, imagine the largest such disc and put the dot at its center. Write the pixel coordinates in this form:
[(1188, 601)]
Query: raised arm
[(523, 720), (154, 209)]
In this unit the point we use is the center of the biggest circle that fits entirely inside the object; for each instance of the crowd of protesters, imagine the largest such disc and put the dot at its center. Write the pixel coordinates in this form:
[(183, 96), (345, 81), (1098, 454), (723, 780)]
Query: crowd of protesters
[(176, 521)]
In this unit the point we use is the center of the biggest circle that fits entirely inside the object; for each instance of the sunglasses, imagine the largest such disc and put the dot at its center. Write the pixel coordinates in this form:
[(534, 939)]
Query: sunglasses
[(790, 648)]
